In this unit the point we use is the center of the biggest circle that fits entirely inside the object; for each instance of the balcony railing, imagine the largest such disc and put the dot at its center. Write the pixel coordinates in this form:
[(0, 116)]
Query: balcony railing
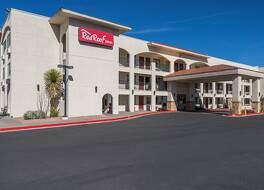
[(208, 91), (163, 68), (197, 90), (123, 64), (142, 66), (247, 93), (219, 91), (161, 87), (123, 85), (142, 86), (229, 92), (220, 105)]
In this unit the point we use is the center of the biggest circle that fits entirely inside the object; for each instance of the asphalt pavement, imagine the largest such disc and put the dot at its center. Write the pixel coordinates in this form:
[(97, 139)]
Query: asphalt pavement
[(177, 151)]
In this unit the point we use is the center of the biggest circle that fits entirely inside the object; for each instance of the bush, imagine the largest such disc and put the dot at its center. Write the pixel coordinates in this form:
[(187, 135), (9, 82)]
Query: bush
[(54, 112), (262, 103), (34, 115)]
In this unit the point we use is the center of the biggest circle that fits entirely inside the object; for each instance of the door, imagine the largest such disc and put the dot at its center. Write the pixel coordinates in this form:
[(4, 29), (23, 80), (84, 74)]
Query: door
[(148, 63), (141, 82), (181, 100), (141, 102), (141, 62)]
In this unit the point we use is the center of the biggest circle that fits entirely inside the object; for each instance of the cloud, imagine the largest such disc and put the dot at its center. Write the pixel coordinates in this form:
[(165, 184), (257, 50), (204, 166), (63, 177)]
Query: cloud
[(205, 17), (151, 30)]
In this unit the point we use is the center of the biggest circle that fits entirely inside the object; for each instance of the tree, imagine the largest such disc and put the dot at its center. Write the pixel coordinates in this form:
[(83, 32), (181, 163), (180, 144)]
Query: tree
[(54, 87)]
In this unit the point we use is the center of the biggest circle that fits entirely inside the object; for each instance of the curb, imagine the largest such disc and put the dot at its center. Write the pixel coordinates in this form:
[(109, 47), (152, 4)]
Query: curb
[(76, 123), (240, 115)]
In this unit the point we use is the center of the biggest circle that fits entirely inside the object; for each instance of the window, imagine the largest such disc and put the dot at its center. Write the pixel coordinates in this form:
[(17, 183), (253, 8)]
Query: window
[(123, 58), (247, 88), (246, 101), (8, 41), (4, 46), (148, 101), (157, 63), (3, 74), (9, 69), (148, 63), (179, 65), (141, 62), (197, 100)]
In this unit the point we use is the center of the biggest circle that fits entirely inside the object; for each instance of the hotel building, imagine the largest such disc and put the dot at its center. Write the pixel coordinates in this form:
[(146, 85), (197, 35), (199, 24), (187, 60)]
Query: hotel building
[(113, 72)]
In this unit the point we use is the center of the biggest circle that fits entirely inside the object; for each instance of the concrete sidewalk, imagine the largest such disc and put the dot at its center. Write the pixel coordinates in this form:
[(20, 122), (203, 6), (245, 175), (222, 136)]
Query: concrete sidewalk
[(7, 122)]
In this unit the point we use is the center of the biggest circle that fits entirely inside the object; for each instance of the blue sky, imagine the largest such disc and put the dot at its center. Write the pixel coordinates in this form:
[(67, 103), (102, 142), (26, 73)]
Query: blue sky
[(233, 30)]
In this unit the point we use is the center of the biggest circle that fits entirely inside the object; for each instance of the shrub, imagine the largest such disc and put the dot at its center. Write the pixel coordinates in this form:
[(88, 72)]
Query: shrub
[(262, 103), (54, 112), (34, 115)]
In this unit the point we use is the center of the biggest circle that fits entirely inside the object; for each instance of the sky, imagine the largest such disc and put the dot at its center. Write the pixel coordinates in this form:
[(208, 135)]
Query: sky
[(233, 30)]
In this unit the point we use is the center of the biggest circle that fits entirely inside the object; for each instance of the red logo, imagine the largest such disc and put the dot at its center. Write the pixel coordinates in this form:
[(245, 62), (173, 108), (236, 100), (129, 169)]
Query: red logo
[(96, 37)]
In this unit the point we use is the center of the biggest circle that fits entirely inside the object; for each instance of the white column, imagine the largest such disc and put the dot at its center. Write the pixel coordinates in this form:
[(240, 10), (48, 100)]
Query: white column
[(256, 105), (171, 103), (172, 67), (201, 93), (131, 84), (255, 90), (236, 92), (214, 94), (224, 89), (153, 87), (236, 89)]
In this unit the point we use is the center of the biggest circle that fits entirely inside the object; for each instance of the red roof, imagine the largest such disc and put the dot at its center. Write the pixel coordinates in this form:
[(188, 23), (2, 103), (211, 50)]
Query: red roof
[(201, 70)]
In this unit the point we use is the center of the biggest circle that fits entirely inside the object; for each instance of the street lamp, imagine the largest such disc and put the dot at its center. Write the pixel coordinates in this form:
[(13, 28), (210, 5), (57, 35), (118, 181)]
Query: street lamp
[(65, 81)]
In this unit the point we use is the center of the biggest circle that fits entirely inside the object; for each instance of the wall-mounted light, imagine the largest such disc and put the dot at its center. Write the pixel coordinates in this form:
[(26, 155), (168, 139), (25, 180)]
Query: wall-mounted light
[(96, 89), (132, 92), (38, 87), (154, 92)]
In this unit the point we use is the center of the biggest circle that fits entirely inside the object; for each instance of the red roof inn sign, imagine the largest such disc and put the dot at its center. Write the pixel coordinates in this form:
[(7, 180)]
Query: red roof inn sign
[(96, 37)]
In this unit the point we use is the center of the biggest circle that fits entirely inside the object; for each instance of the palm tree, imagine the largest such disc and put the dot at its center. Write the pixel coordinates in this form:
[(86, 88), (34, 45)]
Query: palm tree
[(54, 86)]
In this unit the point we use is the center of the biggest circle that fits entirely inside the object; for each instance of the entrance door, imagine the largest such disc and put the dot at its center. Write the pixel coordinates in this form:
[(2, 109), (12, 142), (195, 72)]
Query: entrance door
[(141, 82), (141, 102), (181, 100), (107, 104)]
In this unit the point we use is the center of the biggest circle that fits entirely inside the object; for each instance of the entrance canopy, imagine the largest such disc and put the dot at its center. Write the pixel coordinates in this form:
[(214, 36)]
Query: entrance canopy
[(213, 73)]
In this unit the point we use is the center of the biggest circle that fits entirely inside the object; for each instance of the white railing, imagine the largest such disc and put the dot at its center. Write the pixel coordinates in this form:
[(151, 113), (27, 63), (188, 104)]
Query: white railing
[(247, 93), (142, 66), (161, 87), (123, 85), (163, 68), (197, 90), (124, 64), (220, 91), (208, 91), (142, 86)]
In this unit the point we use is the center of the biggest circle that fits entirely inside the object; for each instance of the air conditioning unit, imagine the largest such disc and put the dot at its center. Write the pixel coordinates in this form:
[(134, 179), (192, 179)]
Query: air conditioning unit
[(9, 50)]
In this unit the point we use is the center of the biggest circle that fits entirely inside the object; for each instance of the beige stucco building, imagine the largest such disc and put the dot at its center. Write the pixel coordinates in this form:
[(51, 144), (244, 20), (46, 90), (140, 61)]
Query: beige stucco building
[(113, 72)]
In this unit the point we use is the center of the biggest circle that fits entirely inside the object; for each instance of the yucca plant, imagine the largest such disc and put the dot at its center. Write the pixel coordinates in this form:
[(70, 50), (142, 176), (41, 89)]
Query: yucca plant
[(54, 86)]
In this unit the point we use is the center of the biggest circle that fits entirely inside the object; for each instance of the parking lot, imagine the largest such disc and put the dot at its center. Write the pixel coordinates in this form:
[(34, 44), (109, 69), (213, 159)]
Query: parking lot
[(185, 151)]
